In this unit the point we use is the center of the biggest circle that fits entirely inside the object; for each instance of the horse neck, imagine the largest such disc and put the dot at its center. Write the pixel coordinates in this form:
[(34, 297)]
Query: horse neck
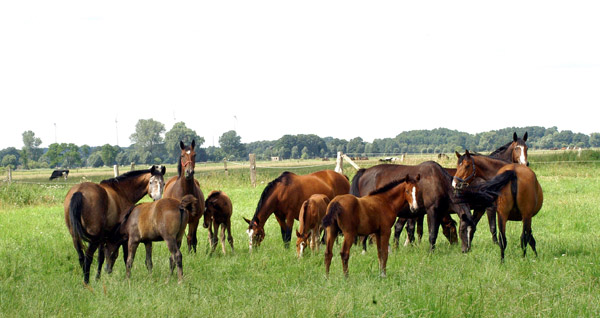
[(266, 208), (505, 154), (486, 167), (188, 186), (394, 197)]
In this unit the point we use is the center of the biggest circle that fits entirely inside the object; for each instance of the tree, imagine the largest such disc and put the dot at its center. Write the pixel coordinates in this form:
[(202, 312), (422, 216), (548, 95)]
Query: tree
[(147, 137), (9, 161), (178, 133), (232, 146), (109, 154), (595, 140), (31, 145), (95, 160)]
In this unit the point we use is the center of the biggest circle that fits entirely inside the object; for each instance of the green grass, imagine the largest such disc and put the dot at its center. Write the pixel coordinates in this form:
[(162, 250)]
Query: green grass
[(40, 274)]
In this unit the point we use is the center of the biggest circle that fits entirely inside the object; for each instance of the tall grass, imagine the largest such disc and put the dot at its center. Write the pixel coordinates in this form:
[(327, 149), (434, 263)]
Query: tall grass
[(40, 274)]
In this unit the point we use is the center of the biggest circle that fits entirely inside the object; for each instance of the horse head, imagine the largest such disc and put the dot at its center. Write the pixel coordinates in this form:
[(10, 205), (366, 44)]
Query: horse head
[(465, 171), (519, 153), (301, 242), (187, 160), (256, 233), (156, 184), (209, 210), (411, 192)]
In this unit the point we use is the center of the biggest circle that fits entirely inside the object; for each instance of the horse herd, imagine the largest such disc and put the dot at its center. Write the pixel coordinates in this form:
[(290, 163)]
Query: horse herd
[(501, 184)]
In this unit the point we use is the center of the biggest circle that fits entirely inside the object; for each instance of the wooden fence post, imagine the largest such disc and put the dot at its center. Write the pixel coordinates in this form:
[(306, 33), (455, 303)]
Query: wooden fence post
[(339, 163), (225, 164), (132, 166), (253, 170), (116, 170), (9, 175), (351, 162)]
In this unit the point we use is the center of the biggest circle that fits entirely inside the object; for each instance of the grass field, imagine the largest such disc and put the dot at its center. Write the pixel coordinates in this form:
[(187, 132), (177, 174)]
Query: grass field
[(40, 274)]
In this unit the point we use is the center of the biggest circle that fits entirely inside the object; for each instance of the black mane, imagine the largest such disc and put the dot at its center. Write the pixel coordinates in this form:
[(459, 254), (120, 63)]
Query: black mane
[(388, 186), (125, 176), (283, 178), (497, 152)]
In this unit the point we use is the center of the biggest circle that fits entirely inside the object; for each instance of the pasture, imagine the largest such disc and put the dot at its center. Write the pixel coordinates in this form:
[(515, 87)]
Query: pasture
[(40, 274)]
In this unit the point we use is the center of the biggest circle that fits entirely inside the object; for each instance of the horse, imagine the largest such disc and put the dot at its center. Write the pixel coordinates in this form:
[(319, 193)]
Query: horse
[(93, 210), (284, 197), (161, 220), (184, 183), (514, 193), (218, 213), (435, 193), (311, 214), (371, 214)]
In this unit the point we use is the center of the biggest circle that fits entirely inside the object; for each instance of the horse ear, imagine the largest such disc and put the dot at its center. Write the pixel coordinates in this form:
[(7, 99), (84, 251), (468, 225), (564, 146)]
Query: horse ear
[(181, 145), (163, 170), (515, 138), (193, 143), (298, 235), (247, 221), (457, 154), (525, 137), (418, 177), (467, 153)]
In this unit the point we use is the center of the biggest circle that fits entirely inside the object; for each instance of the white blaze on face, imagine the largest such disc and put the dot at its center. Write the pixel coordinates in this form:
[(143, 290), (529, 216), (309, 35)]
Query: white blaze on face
[(302, 247), (522, 157), (250, 235), (454, 183), (156, 188), (414, 204), (188, 152)]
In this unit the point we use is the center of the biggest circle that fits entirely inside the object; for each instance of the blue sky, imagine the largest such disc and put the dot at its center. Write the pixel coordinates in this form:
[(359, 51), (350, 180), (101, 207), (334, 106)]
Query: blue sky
[(69, 69)]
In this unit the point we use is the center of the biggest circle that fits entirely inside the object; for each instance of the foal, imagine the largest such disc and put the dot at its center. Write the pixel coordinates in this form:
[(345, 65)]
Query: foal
[(160, 220), (312, 212), (372, 214), (218, 213)]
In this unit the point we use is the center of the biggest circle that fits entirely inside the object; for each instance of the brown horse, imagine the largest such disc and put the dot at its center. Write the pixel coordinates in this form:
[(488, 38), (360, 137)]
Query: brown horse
[(284, 197), (514, 193), (162, 220), (93, 210), (372, 214), (218, 213), (311, 214), (436, 195), (184, 183)]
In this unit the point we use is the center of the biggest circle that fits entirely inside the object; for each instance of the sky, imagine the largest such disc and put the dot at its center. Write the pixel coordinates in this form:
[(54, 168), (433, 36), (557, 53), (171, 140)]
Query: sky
[(85, 72)]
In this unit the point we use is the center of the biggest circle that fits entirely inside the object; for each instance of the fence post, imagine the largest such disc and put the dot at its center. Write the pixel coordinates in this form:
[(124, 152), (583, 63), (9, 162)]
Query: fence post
[(253, 170), (225, 164), (132, 166), (116, 170), (9, 175), (351, 162), (339, 163)]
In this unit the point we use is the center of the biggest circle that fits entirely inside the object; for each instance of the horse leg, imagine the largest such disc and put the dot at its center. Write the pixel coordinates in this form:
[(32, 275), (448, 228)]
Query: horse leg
[(176, 257), (331, 233), (213, 236), (229, 237), (222, 238), (148, 246), (192, 239), (527, 237), (79, 249), (410, 231), (125, 253), (434, 225), (101, 253), (398, 230), (420, 227), (491, 215), (132, 247), (383, 240), (345, 253), (502, 239), (87, 263)]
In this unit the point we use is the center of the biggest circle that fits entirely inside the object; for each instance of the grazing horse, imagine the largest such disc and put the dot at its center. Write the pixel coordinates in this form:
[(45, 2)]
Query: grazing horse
[(514, 193), (284, 197), (184, 183), (435, 193), (311, 214), (161, 220), (218, 213), (372, 214), (93, 210)]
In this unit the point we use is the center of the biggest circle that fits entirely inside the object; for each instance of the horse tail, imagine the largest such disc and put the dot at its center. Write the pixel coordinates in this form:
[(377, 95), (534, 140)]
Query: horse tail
[(75, 209), (484, 195), (333, 211), (354, 189)]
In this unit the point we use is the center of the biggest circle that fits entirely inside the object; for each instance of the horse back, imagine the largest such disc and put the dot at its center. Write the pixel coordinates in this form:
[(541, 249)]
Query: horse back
[(154, 221), (338, 182), (526, 197)]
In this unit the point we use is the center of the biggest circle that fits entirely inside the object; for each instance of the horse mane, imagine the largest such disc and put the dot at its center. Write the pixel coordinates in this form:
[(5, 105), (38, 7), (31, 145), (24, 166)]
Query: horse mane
[(497, 152), (213, 195), (388, 186), (354, 190), (283, 178), (123, 177)]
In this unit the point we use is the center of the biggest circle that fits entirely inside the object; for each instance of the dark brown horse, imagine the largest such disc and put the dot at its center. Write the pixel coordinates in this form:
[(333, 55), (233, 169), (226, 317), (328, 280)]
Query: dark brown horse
[(162, 220), (309, 222), (371, 214), (184, 183), (514, 193), (218, 214), (93, 210), (284, 197), (436, 193)]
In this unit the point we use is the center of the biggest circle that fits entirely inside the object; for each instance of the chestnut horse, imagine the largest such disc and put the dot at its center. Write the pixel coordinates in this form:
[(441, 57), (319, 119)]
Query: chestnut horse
[(435, 193), (514, 193), (161, 220), (284, 197), (372, 214), (218, 214), (184, 183), (309, 222), (93, 210)]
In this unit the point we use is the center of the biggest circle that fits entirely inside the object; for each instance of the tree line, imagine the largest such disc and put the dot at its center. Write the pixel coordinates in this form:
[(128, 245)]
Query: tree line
[(152, 144)]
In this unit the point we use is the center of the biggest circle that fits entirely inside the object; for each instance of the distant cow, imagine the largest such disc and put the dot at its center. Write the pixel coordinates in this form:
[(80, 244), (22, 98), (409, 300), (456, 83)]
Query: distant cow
[(59, 173)]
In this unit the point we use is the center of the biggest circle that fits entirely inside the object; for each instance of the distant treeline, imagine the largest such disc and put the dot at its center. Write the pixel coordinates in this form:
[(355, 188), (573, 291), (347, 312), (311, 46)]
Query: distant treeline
[(164, 150)]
